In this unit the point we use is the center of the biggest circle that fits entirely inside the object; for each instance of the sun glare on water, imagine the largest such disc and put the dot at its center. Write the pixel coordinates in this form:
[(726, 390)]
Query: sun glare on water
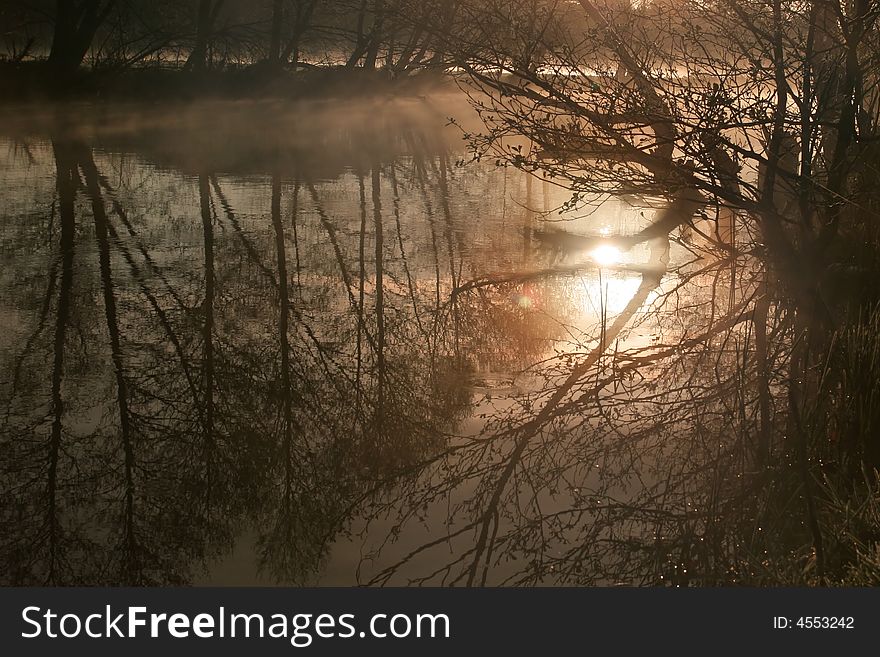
[(605, 255)]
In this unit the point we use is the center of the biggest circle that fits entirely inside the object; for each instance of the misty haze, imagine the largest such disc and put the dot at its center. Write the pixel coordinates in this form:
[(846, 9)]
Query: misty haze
[(453, 292)]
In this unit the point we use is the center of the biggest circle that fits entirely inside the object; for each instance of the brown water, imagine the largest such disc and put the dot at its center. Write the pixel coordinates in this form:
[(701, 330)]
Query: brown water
[(235, 350)]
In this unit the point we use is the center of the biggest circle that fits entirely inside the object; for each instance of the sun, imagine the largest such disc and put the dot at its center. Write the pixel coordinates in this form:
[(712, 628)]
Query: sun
[(605, 255)]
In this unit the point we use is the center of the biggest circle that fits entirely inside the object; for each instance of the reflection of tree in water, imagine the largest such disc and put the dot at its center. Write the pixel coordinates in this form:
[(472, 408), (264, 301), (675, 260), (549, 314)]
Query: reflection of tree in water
[(210, 398), (283, 376), (728, 448), (279, 355), (118, 480), (377, 410), (599, 475), (297, 367)]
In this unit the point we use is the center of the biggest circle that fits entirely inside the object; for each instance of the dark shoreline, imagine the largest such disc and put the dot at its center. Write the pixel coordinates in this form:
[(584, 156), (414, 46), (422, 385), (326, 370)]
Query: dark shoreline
[(36, 81)]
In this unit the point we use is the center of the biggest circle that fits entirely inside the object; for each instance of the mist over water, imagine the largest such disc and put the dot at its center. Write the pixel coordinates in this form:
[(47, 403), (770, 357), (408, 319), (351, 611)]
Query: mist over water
[(242, 339)]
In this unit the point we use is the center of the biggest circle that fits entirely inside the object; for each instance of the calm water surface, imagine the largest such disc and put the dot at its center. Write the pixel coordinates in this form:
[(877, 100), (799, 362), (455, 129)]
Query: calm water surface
[(260, 343)]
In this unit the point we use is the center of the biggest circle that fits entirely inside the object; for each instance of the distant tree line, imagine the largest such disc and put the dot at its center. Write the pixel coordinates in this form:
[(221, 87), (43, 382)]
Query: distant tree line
[(398, 35)]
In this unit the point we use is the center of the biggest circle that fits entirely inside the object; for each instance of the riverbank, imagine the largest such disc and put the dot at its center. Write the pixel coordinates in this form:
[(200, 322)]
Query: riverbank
[(33, 81)]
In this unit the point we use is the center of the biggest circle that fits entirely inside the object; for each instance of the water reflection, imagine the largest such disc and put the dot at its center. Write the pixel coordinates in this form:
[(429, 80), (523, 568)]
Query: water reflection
[(242, 355)]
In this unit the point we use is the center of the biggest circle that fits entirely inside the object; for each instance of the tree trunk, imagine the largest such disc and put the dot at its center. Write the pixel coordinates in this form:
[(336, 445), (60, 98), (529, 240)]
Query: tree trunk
[(302, 20), (360, 44), (76, 24), (275, 38), (198, 58), (372, 53)]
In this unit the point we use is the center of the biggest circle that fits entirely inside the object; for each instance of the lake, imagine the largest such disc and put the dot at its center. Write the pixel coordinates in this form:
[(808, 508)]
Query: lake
[(307, 343)]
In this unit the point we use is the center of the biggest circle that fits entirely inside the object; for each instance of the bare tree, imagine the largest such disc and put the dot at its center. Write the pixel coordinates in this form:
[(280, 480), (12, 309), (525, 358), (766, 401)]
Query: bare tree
[(76, 23), (673, 454)]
